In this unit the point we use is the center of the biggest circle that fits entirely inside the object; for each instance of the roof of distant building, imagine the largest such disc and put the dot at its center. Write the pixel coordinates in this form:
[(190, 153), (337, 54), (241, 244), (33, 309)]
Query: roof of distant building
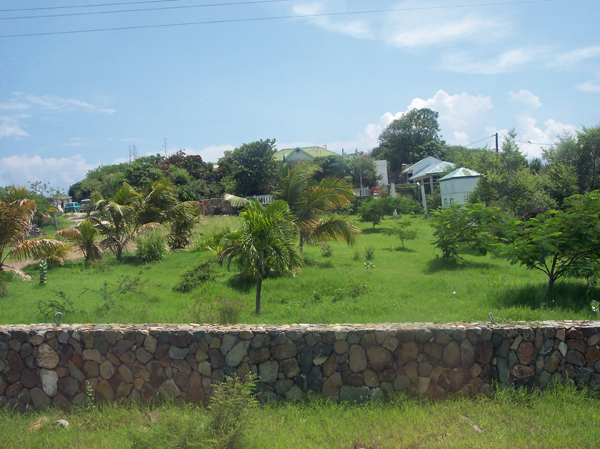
[(313, 152), (461, 172), (435, 169)]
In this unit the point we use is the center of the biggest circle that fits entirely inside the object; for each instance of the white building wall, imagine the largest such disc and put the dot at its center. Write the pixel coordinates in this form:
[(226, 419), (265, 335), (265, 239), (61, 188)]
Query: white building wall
[(381, 168), (457, 190)]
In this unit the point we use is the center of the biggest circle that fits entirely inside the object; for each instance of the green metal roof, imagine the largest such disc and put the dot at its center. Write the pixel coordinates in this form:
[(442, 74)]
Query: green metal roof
[(311, 151)]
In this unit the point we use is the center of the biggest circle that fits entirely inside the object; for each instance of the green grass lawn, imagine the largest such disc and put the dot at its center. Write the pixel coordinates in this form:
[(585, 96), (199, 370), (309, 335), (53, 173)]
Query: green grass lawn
[(410, 284), (557, 418)]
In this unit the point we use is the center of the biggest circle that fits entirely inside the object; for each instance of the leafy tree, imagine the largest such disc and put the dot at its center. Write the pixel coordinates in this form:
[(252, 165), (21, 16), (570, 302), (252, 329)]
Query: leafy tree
[(402, 231), (559, 241), (309, 203), (83, 237), (254, 170), (372, 211), (588, 158), (560, 181), (469, 225), (16, 212), (410, 138), (265, 243), (143, 171)]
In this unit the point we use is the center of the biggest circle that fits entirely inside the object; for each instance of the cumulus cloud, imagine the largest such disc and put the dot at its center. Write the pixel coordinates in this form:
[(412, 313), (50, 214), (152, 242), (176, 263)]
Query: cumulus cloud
[(531, 138), (60, 172), (525, 97), (461, 116), (211, 153)]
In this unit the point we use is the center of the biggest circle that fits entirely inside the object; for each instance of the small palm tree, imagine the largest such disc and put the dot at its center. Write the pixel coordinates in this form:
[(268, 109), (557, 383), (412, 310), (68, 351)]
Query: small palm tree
[(309, 202), (265, 243), (83, 237), (118, 219), (16, 212)]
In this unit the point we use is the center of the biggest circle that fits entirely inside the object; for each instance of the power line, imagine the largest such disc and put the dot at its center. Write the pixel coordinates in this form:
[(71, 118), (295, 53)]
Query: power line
[(260, 19), (93, 13), (532, 143), (87, 6), (485, 138)]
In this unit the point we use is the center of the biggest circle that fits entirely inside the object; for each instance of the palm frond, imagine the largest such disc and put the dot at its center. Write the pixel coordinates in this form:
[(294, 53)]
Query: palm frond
[(334, 228), (38, 249)]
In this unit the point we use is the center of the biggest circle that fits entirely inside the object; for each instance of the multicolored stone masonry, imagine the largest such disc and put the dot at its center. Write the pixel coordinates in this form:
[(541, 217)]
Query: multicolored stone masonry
[(43, 365)]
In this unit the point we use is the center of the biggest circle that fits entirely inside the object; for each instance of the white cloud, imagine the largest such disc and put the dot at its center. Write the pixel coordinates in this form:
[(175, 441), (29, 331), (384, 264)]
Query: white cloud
[(508, 61), (355, 28), (420, 29), (212, 153), (60, 172), (572, 57), (58, 104), (591, 86), (532, 139), (525, 97), (10, 127)]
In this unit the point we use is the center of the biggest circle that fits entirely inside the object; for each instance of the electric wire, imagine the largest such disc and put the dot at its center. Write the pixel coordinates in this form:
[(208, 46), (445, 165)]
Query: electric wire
[(262, 19), (94, 13), (87, 6), (485, 138)]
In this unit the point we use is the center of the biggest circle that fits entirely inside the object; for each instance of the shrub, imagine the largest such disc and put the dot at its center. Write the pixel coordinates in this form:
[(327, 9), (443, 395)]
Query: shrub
[(194, 277), (230, 408), (471, 225), (369, 253), (402, 231), (151, 246), (372, 211), (327, 250)]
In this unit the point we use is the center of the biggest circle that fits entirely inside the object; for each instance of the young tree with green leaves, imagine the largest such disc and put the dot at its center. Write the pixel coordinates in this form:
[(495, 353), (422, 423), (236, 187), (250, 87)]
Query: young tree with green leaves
[(469, 225), (558, 242), (402, 231), (264, 244), (372, 211)]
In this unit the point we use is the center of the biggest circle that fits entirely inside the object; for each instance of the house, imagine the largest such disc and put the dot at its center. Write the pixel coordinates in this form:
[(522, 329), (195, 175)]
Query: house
[(456, 186), (296, 154), (427, 171)]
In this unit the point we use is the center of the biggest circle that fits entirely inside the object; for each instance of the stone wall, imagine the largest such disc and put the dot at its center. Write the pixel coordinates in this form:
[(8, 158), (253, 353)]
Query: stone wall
[(216, 206), (42, 365)]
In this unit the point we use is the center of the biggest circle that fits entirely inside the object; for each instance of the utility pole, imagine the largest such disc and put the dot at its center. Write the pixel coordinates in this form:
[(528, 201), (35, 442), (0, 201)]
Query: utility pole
[(359, 168), (165, 147), (496, 142)]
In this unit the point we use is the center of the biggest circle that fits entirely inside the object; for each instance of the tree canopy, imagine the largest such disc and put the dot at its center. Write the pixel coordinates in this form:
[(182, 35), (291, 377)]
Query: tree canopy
[(410, 138)]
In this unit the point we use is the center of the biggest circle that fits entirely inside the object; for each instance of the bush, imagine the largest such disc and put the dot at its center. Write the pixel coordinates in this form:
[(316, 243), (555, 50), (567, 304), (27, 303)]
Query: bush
[(230, 408), (401, 204), (371, 211), (151, 246), (327, 250), (370, 253), (194, 277)]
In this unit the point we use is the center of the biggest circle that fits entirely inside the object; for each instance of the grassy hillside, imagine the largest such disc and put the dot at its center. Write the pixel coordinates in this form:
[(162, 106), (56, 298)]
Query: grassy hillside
[(409, 284)]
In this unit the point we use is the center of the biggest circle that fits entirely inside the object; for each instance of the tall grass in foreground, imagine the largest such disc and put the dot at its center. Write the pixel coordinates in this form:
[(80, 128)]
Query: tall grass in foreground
[(561, 417)]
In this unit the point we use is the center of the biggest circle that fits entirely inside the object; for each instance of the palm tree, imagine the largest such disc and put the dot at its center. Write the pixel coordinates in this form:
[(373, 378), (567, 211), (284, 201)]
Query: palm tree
[(83, 237), (118, 219), (309, 202), (265, 243), (16, 212)]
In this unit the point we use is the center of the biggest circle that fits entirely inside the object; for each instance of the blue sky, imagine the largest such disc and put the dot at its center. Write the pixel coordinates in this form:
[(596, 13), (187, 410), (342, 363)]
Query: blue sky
[(70, 102)]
